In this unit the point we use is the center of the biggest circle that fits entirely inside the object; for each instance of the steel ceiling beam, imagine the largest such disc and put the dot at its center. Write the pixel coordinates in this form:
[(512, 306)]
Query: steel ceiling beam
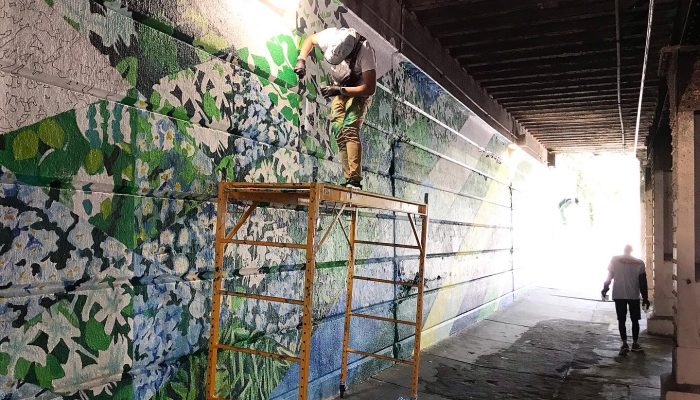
[(556, 54), (564, 76), (587, 94), (553, 64), (544, 88), (501, 10), (531, 19), (571, 64), (417, 5)]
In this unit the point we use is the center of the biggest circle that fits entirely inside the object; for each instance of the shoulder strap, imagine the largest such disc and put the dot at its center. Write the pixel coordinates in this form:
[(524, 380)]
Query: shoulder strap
[(360, 41)]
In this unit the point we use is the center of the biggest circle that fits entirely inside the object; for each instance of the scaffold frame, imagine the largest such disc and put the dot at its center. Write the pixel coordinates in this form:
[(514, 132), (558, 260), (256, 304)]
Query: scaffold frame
[(313, 196)]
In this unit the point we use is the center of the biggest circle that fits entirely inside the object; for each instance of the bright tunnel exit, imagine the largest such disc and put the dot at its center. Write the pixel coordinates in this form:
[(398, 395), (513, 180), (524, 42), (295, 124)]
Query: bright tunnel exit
[(597, 202)]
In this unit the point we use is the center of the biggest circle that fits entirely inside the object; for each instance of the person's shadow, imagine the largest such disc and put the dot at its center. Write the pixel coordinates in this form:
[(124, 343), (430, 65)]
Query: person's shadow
[(635, 357)]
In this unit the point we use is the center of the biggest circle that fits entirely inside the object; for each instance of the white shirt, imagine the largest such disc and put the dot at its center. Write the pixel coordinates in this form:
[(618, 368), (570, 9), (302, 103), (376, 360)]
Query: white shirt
[(624, 271)]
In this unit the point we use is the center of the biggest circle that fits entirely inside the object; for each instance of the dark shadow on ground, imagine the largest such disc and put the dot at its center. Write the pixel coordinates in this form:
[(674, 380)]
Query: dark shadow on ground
[(529, 352)]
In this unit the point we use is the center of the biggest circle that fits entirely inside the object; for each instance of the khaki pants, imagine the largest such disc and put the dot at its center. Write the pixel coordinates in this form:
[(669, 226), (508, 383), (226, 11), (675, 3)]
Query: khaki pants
[(347, 116)]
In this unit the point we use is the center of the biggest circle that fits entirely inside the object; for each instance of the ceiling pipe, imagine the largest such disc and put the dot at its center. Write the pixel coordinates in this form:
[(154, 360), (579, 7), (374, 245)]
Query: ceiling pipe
[(619, 68), (650, 20)]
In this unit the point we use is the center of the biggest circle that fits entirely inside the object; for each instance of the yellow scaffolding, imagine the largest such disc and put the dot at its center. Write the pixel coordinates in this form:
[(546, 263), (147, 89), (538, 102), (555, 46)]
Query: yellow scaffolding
[(313, 196)]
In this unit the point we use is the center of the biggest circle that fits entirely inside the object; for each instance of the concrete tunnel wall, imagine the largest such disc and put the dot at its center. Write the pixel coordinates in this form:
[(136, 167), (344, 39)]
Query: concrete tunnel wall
[(118, 118)]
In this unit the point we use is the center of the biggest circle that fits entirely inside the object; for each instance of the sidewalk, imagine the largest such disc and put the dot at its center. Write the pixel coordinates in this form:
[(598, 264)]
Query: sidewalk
[(548, 345)]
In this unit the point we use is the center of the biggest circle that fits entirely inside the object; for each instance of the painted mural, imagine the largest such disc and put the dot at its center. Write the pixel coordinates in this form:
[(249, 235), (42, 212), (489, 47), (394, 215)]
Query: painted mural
[(117, 120)]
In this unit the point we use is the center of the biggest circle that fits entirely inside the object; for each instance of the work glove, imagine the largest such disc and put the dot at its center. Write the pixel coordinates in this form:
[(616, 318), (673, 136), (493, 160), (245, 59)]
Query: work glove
[(330, 91), (300, 68), (603, 294), (646, 303)]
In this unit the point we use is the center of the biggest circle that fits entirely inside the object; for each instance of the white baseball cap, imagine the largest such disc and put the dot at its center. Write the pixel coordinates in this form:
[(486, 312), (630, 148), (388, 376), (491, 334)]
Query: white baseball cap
[(341, 45)]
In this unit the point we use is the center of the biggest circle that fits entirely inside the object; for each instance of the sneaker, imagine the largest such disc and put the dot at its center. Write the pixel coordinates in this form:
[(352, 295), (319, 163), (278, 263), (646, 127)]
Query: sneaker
[(347, 183), (636, 347), (353, 185), (624, 349)]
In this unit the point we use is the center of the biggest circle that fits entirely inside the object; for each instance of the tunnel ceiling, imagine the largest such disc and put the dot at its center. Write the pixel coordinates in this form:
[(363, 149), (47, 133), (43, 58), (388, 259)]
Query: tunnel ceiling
[(553, 63)]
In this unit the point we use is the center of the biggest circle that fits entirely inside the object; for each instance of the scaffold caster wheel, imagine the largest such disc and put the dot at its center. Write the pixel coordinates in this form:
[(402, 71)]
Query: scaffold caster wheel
[(342, 391)]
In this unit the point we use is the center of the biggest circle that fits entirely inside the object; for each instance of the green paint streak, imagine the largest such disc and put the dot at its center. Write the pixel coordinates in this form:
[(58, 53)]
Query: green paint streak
[(187, 381), (62, 163), (22, 367), (128, 67), (119, 222), (218, 69), (155, 99), (211, 43), (128, 311), (418, 131), (313, 147), (292, 47), (63, 307), (94, 161), (276, 52), (163, 53), (46, 374), (95, 336), (25, 145), (106, 207), (261, 66), (210, 108), (51, 133), (286, 76), (105, 115), (202, 55), (159, 25), (71, 22), (180, 113), (294, 100), (167, 107), (243, 54), (4, 363), (287, 112)]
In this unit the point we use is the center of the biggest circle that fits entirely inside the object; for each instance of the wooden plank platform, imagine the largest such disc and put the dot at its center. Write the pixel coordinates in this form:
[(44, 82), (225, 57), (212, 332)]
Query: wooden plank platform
[(298, 194)]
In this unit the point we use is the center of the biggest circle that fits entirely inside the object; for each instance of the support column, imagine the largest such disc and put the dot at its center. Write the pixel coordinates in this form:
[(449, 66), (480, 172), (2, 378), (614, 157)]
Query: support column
[(661, 320), (686, 356), (647, 234), (683, 78)]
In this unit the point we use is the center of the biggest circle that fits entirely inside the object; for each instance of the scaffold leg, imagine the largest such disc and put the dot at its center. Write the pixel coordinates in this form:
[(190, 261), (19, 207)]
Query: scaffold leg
[(309, 272), (221, 212), (419, 307), (348, 303)]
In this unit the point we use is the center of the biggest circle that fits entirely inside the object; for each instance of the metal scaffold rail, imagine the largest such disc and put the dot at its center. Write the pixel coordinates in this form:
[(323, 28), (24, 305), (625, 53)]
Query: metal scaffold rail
[(314, 196)]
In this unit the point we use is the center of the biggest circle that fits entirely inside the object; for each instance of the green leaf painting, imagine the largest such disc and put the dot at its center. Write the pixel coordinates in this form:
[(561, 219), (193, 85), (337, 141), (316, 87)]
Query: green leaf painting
[(128, 68), (287, 76), (95, 336), (58, 159), (276, 52), (210, 107), (94, 161), (51, 133), (261, 66), (4, 363), (25, 145)]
